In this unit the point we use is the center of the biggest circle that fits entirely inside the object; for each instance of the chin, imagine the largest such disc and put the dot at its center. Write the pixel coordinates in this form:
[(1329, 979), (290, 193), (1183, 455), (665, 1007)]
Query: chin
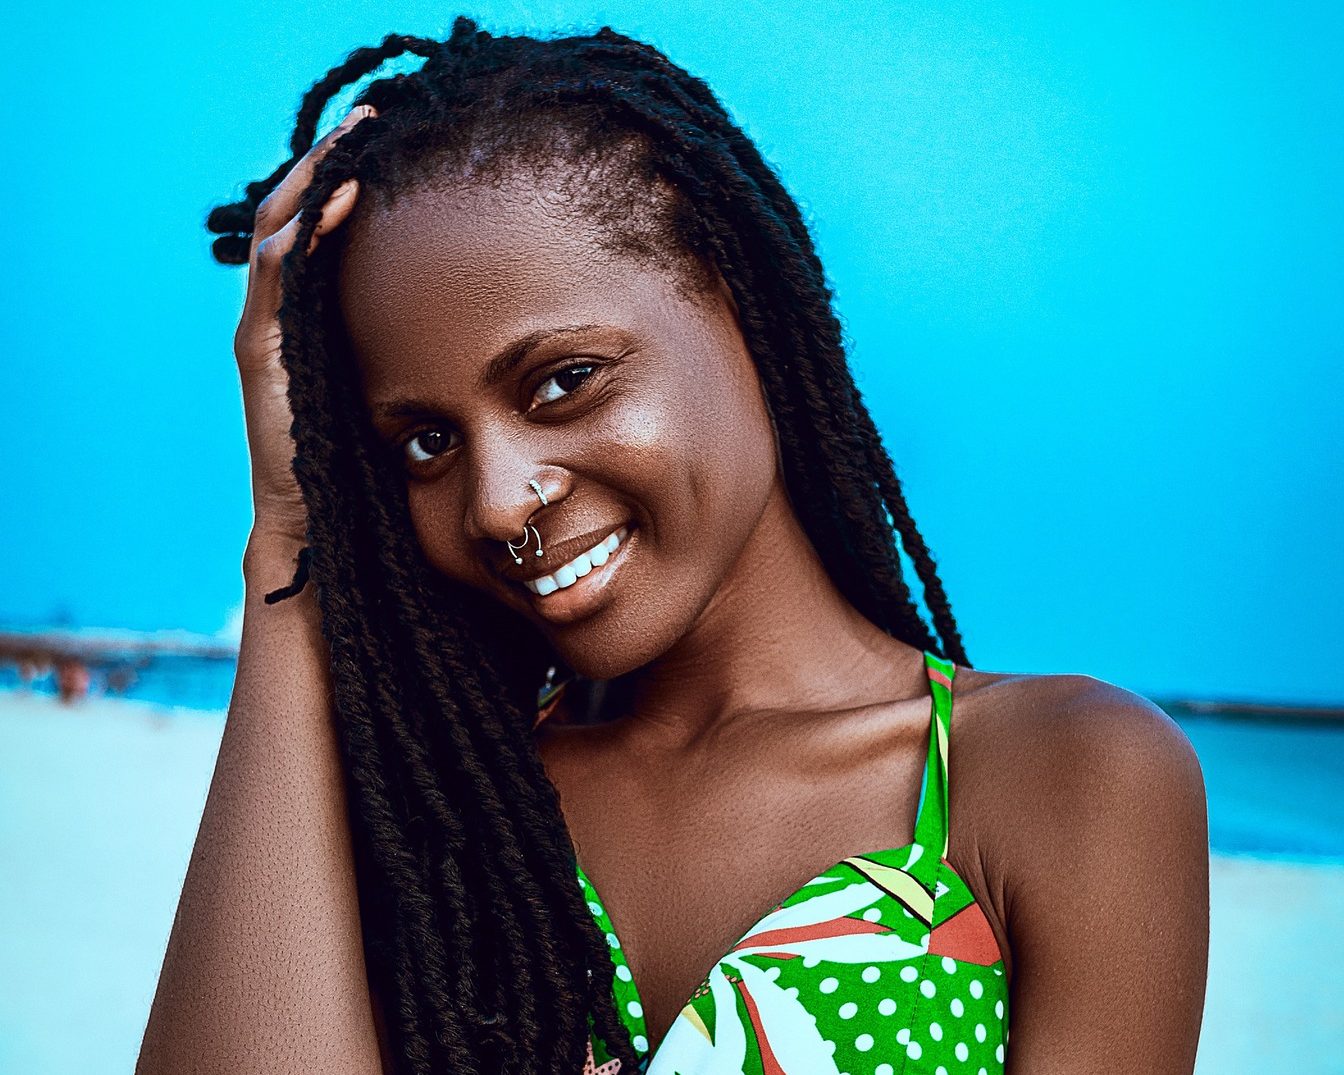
[(598, 654), (629, 636)]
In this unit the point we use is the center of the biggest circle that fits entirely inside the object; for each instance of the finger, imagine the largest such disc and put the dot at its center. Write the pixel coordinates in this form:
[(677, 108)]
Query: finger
[(267, 255), (282, 203), (337, 207)]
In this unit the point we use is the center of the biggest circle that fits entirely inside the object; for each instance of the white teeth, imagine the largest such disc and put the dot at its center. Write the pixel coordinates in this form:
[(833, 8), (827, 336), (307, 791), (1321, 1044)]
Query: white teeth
[(568, 574)]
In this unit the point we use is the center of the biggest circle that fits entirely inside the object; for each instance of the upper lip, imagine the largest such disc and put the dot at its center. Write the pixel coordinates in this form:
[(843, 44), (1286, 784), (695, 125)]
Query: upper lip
[(555, 553)]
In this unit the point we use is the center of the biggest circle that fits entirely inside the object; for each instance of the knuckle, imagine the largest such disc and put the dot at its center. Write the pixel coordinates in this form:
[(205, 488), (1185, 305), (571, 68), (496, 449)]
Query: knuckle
[(269, 212), (270, 251), (264, 211)]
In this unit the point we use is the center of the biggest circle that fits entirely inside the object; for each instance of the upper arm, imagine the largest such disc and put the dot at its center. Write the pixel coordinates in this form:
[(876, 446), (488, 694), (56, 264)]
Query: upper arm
[(1108, 906)]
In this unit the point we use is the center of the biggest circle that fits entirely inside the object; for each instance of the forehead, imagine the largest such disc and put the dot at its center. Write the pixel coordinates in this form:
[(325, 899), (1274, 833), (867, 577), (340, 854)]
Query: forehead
[(453, 274)]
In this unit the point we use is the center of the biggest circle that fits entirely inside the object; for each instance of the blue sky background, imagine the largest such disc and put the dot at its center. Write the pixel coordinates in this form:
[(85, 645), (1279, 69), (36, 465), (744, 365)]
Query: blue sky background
[(1110, 234)]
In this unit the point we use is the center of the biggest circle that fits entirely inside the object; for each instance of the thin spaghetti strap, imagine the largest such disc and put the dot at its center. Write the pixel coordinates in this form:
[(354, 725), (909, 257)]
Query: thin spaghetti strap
[(931, 820)]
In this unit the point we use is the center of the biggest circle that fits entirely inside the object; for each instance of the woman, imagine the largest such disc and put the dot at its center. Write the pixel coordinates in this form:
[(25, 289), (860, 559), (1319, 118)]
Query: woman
[(608, 735)]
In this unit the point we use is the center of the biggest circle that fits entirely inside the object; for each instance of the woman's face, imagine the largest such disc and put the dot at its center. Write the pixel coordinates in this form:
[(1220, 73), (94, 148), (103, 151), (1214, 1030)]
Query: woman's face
[(500, 342)]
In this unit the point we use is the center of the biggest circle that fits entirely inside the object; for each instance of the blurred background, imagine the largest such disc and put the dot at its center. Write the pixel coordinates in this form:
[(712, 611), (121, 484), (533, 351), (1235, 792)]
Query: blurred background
[(1109, 235)]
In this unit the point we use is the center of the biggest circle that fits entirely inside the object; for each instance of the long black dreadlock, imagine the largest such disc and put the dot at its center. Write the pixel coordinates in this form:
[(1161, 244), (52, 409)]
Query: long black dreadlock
[(477, 937)]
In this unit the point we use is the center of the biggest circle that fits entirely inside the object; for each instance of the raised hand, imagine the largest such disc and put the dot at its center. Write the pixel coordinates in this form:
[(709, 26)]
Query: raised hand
[(279, 511)]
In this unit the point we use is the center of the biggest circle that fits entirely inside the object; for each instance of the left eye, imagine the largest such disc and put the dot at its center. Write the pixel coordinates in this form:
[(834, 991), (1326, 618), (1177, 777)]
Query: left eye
[(561, 384)]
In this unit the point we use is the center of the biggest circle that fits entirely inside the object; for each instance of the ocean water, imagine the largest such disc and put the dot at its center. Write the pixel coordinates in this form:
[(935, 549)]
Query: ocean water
[(1275, 788)]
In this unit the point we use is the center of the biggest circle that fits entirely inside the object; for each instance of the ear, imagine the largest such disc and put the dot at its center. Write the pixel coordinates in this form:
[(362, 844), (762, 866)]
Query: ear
[(726, 294)]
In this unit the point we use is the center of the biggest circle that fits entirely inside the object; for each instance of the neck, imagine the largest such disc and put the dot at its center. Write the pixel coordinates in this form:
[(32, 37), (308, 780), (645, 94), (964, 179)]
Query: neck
[(778, 636)]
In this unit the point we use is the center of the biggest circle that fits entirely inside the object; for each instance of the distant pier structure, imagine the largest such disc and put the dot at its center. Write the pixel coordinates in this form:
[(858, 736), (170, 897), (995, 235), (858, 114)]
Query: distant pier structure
[(174, 668)]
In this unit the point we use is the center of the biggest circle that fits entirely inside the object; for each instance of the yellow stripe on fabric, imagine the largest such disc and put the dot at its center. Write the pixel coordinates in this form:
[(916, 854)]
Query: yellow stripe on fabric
[(693, 1017), (942, 783), (899, 885)]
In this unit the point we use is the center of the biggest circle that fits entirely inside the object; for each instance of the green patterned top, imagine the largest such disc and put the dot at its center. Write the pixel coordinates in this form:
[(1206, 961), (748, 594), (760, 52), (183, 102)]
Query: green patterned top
[(883, 964)]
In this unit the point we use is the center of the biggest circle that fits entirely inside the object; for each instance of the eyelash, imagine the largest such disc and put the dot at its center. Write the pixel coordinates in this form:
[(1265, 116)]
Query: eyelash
[(589, 366)]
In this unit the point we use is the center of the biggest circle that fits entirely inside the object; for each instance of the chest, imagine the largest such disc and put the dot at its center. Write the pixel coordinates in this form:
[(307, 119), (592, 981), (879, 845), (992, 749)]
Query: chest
[(674, 921), (686, 864)]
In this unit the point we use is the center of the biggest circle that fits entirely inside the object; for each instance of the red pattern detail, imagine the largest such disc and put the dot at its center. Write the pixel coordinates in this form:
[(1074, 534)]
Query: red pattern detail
[(939, 675), (966, 936), (818, 931), (769, 1064)]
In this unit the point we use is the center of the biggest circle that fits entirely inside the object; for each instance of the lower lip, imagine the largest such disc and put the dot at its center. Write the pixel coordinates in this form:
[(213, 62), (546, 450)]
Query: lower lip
[(588, 594)]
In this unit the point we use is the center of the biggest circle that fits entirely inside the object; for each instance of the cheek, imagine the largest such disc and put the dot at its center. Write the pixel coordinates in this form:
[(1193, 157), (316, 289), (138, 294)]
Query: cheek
[(634, 447), (698, 455), (734, 449), (436, 517)]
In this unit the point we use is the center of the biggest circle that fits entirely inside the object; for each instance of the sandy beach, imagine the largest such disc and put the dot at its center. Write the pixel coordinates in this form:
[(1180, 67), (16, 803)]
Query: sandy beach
[(99, 805)]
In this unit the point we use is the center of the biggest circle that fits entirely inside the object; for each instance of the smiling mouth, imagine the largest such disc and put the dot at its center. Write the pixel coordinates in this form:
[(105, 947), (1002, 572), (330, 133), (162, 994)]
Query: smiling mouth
[(566, 575)]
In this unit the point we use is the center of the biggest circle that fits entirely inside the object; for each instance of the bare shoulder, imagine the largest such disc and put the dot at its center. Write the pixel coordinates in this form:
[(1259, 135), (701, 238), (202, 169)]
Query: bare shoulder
[(1079, 808), (1072, 730), (1065, 792), (1049, 771)]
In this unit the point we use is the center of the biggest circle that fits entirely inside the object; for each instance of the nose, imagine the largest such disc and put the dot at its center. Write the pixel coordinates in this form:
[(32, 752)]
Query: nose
[(501, 500)]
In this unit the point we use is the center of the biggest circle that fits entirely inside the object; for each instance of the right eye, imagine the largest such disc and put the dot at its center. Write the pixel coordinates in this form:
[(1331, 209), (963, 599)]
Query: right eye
[(426, 445)]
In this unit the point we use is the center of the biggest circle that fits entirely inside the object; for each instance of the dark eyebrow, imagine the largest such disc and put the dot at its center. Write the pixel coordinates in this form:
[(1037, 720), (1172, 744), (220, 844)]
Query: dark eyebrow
[(496, 370), (512, 356)]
